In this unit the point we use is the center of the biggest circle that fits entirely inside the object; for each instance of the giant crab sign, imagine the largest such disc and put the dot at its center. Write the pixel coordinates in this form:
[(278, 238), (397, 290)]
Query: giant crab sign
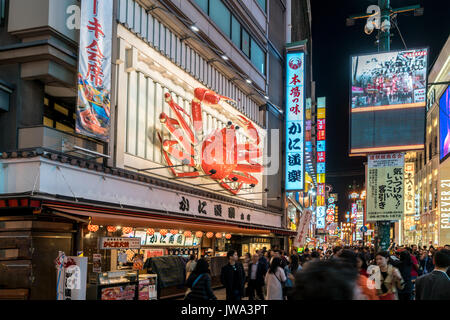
[(218, 154)]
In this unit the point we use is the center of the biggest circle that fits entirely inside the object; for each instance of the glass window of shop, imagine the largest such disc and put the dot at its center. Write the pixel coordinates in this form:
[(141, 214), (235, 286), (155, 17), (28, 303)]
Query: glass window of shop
[(245, 43), (235, 32)]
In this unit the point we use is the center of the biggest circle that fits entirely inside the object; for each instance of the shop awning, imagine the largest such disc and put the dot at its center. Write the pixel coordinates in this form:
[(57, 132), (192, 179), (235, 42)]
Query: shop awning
[(103, 216)]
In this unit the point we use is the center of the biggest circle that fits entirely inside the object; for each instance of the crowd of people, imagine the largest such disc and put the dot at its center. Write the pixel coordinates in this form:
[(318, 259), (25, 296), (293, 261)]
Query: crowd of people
[(339, 273)]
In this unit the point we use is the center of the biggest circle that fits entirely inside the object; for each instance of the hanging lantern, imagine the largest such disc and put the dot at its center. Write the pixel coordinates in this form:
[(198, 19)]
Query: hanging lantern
[(199, 234), (209, 235), (93, 228), (174, 231), (163, 232), (150, 231), (188, 234), (127, 230), (111, 228), (228, 236), (218, 235)]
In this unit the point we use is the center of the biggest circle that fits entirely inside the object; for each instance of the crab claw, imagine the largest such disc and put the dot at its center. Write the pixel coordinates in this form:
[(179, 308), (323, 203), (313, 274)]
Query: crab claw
[(209, 96), (250, 129)]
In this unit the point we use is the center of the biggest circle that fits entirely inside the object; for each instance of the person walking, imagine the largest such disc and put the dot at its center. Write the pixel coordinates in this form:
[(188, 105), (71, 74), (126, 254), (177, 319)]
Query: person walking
[(390, 278), (274, 280), (256, 271), (426, 263), (199, 282), (232, 277), (190, 265), (436, 284), (405, 267)]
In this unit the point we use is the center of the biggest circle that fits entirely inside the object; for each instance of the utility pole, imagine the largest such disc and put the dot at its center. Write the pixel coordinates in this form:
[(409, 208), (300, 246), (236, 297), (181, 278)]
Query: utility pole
[(380, 18)]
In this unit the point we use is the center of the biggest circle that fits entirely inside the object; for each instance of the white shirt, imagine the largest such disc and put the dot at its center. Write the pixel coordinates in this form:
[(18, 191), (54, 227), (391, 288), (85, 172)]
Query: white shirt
[(273, 284)]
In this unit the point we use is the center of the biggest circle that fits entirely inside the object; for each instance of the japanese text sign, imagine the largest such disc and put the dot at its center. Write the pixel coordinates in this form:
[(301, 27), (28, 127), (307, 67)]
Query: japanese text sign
[(94, 73), (109, 243), (321, 154), (385, 181), (295, 109)]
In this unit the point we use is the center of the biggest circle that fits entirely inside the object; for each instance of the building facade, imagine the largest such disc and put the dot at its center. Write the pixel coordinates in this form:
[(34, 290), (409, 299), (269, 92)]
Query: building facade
[(62, 191), (429, 224)]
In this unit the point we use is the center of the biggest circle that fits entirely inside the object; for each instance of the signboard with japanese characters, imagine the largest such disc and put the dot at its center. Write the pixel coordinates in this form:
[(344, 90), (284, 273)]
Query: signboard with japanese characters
[(109, 243), (94, 73), (444, 203), (385, 187), (409, 189), (321, 151), (303, 227), (295, 105), (158, 239)]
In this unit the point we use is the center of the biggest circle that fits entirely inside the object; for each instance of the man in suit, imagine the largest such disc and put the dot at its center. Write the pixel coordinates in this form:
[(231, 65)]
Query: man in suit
[(232, 277), (436, 284), (257, 270)]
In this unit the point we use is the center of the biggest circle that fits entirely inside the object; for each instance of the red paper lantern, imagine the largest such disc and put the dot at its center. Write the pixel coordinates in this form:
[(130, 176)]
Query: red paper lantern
[(209, 235), (188, 234), (163, 232), (228, 236), (174, 231), (150, 231), (199, 234), (127, 230), (218, 235), (93, 228), (111, 228)]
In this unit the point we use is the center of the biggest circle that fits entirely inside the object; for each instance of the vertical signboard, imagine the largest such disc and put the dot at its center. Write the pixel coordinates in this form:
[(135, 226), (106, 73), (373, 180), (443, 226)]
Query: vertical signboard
[(359, 219), (321, 209), (409, 189), (385, 187), (444, 203), (303, 227), (94, 72), (295, 105)]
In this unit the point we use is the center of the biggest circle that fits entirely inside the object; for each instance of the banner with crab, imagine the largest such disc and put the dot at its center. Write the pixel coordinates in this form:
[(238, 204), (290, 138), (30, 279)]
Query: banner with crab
[(217, 154), (94, 73)]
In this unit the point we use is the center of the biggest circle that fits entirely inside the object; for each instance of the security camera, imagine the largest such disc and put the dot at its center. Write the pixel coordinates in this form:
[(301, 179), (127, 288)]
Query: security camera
[(386, 26), (369, 27)]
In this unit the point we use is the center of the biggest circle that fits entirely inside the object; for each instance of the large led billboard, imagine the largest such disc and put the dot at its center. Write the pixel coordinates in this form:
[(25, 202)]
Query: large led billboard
[(444, 124), (387, 101)]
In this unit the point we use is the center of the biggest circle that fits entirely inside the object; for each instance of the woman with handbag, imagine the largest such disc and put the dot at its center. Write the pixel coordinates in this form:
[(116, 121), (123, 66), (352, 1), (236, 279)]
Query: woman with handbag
[(390, 278), (275, 279), (199, 283)]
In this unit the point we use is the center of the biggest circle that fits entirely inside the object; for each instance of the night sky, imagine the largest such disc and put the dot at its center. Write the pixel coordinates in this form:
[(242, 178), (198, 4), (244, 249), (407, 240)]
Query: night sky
[(333, 44)]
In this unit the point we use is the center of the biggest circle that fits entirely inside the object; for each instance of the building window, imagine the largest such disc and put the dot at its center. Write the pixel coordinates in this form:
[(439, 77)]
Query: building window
[(245, 43), (221, 16), (235, 32), (5, 93), (435, 145), (203, 4), (262, 4), (59, 115), (258, 57), (2, 12), (430, 148)]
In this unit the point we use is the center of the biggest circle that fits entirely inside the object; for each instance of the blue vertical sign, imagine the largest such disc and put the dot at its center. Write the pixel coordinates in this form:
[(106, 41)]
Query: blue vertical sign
[(295, 105)]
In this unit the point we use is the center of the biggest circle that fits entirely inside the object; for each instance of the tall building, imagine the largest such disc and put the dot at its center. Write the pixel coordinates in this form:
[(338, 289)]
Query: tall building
[(428, 223), (61, 190)]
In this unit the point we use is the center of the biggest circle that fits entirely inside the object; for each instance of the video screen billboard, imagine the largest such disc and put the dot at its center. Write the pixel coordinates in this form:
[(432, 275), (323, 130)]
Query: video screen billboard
[(444, 124), (387, 101)]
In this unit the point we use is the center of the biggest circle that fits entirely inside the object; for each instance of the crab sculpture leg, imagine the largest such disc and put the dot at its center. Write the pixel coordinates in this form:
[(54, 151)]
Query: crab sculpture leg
[(246, 152)]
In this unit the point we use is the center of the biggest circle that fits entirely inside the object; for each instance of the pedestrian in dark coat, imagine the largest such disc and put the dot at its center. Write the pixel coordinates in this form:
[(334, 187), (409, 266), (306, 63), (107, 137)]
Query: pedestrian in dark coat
[(257, 269), (436, 284), (199, 282), (233, 277)]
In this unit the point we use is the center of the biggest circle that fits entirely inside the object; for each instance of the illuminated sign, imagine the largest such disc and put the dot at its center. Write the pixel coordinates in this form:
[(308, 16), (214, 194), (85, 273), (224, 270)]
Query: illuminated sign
[(321, 156), (444, 124), (409, 189), (295, 105), (388, 97), (385, 187), (109, 243)]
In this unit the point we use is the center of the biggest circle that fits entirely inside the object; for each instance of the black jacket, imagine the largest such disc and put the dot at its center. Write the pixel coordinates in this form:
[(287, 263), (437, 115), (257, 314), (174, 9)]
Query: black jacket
[(433, 286), (226, 277), (202, 288), (261, 271)]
